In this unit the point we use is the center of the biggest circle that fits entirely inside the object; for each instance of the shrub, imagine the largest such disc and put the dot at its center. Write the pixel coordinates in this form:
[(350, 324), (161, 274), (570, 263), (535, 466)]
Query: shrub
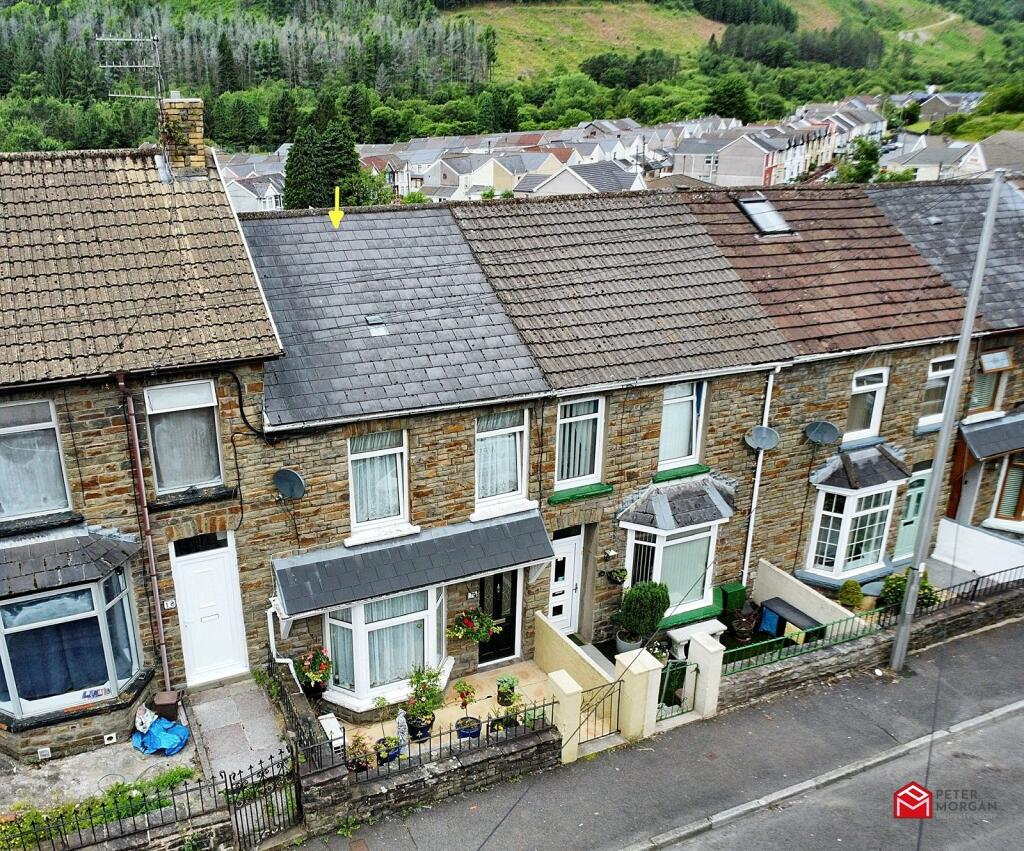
[(643, 607), (851, 595), (895, 585)]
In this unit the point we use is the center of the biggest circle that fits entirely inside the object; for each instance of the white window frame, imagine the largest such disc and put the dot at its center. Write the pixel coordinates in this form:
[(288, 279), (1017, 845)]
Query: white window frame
[(702, 530), (976, 415), (697, 399), (24, 708), (385, 527), (362, 696), (994, 521), (595, 477), (938, 369), (215, 404), (506, 503), (60, 454), (876, 412), (849, 513)]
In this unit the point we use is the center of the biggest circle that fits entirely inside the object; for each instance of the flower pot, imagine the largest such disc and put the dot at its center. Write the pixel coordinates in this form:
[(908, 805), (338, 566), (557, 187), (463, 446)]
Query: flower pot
[(419, 728), (357, 765), (500, 725), (314, 691), (615, 580), (386, 756), (468, 728), (505, 698), (622, 645)]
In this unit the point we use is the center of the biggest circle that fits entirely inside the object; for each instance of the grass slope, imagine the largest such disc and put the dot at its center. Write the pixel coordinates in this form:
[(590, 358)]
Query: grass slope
[(538, 37)]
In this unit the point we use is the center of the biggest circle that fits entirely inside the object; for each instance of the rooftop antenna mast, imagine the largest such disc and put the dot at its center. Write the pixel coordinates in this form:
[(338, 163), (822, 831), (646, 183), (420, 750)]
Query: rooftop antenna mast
[(140, 56)]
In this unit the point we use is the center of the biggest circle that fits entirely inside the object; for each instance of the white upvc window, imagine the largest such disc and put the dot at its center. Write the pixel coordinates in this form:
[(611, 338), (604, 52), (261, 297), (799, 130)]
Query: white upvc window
[(66, 648), (375, 645), (989, 385), (378, 469), (502, 450), (851, 529), (184, 436), (867, 398), (683, 560), (936, 390), (1008, 508), (681, 419), (32, 478), (579, 442)]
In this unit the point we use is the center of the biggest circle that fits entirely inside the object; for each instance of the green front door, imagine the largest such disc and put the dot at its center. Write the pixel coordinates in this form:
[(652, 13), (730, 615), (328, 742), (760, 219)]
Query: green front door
[(910, 523)]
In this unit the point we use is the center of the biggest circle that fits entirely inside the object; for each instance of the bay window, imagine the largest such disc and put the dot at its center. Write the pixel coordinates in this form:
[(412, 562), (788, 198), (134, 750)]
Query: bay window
[(850, 531), (682, 559), (374, 645), (680, 425), (32, 480), (579, 443), (377, 473), (184, 436), (64, 648), (501, 472), (936, 390), (867, 398)]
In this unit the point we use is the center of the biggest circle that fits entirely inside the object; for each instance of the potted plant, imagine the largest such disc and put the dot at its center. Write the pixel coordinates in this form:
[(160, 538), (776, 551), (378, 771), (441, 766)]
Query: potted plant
[(386, 747), (507, 686), (466, 727), (617, 575), (643, 608), (508, 719), (473, 625), (314, 671), (358, 753), (426, 698), (744, 622)]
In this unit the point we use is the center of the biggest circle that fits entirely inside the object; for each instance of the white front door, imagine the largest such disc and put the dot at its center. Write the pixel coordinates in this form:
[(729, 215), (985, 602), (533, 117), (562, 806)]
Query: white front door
[(564, 603), (910, 524), (210, 612)]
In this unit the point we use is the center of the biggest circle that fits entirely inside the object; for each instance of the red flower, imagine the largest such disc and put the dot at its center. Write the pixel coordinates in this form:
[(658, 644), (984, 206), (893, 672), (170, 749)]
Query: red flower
[(468, 622)]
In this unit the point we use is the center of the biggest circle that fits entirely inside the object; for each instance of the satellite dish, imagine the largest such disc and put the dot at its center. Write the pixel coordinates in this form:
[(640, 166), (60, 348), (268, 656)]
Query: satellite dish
[(821, 432), (762, 437), (289, 483)]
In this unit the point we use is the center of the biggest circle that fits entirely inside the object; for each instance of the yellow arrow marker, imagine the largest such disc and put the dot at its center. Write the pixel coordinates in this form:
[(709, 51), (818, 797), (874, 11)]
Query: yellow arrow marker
[(336, 214)]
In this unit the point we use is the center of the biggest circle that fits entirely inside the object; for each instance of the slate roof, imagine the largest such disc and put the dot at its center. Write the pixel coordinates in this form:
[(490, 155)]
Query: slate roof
[(40, 562), (447, 342), (864, 467), (529, 182), (327, 578), (943, 221), (692, 502), (844, 279), (609, 288), (1004, 149), (604, 176), (995, 437), (105, 267)]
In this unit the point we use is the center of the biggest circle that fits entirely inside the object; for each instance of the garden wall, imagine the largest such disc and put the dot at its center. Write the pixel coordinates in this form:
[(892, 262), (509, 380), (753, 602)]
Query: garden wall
[(869, 652)]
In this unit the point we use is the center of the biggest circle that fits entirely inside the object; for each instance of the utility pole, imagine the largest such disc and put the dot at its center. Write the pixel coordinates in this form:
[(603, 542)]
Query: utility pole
[(950, 412)]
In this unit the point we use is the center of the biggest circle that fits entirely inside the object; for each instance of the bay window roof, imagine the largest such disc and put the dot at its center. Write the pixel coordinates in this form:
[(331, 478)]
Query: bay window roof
[(995, 437), (61, 557), (692, 502), (323, 579), (865, 467)]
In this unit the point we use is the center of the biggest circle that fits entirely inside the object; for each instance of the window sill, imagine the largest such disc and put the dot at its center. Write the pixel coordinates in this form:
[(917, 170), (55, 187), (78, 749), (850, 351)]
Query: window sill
[(680, 473), (823, 579), (192, 496), (382, 533), (854, 441), (394, 693), (582, 492), (1000, 525), (489, 512), (694, 615), (982, 417), (926, 427), (39, 523)]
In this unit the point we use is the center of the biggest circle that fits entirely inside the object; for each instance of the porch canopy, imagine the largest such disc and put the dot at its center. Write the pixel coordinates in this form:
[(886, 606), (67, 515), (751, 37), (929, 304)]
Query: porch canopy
[(863, 467), (680, 505), (326, 579), (993, 438)]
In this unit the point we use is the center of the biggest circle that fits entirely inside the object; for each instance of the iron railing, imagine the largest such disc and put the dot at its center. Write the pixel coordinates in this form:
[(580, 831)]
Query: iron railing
[(264, 799), (308, 733), (799, 642), (677, 689), (973, 589), (599, 711)]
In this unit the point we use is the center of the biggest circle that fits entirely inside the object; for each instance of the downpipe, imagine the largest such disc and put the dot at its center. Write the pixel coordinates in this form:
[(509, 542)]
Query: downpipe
[(281, 660), (147, 530), (757, 476)]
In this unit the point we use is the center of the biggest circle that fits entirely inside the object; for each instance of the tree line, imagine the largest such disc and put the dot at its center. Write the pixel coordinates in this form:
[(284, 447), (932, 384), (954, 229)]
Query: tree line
[(850, 45)]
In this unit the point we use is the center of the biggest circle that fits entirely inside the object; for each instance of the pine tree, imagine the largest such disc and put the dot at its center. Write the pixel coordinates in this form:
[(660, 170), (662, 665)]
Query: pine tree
[(227, 70), (325, 112), (358, 108), (283, 119), (301, 174)]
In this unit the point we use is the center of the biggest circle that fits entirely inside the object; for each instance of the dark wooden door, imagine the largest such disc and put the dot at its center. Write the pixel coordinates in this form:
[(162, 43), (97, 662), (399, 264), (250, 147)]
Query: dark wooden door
[(499, 598)]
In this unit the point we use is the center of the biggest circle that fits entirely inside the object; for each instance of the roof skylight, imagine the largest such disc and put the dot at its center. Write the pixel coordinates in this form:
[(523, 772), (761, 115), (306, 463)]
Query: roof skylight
[(763, 214)]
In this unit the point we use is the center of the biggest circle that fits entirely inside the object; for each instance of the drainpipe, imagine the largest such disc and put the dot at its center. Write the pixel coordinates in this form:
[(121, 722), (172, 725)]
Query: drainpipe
[(147, 531), (757, 476), (281, 660)]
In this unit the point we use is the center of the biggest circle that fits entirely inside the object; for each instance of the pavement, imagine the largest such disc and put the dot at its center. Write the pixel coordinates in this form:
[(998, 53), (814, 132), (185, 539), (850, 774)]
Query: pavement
[(236, 726), (626, 796)]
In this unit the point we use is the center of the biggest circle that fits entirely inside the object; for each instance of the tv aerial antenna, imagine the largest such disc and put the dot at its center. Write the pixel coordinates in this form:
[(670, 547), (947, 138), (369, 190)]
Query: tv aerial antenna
[(135, 60)]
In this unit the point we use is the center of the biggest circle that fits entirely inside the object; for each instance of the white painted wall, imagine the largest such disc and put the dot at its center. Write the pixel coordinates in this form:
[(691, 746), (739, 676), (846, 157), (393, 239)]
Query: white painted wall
[(773, 582), (976, 550)]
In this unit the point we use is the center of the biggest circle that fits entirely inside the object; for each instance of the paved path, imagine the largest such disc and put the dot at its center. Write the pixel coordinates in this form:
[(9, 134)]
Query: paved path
[(236, 726), (626, 796), (980, 775)]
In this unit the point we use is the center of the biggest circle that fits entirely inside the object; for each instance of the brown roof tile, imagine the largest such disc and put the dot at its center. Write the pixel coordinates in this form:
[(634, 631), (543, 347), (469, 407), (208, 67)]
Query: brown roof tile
[(104, 267)]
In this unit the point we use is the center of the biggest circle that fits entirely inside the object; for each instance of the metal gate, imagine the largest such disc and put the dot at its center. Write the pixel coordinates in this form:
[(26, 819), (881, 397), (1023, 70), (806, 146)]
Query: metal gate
[(677, 688), (265, 799), (599, 711)]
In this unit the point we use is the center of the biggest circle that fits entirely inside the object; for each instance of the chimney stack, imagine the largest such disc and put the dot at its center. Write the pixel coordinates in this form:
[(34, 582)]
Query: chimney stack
[(181, 130)]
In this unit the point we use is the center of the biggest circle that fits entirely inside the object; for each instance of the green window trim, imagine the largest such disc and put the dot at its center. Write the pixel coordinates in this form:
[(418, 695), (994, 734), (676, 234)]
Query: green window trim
[(582, 492), (680, 473), (694, 615)]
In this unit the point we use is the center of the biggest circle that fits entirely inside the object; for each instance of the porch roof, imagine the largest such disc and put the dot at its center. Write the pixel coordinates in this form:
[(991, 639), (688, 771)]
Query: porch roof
[(995, 437), (338, 576), (863, 467), (681, 505)]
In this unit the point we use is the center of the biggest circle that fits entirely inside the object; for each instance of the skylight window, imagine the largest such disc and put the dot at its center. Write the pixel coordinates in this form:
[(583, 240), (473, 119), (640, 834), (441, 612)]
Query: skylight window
[(763, 214)]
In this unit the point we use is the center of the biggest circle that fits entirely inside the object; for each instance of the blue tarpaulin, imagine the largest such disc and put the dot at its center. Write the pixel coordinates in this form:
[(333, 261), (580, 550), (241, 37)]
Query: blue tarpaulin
[(162, 735)]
